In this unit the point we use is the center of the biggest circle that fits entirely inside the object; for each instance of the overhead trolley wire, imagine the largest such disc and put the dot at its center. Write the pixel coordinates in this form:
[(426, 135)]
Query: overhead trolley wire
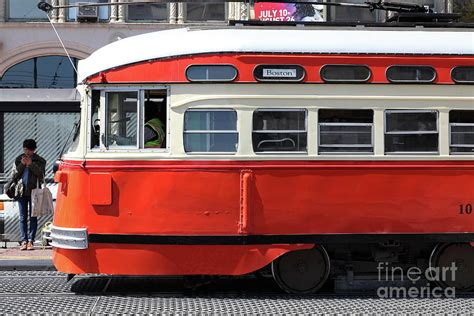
[(371, 5)]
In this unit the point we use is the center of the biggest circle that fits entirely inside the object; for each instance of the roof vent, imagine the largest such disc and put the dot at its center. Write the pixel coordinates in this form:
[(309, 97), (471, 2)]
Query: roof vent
[(87, 13)]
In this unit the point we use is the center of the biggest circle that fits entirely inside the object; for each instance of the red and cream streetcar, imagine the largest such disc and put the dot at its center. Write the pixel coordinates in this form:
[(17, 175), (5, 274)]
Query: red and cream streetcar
[(315, 151)]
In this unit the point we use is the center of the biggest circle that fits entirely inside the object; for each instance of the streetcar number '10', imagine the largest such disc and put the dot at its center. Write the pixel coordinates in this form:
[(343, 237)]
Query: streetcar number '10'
[(465, 209)]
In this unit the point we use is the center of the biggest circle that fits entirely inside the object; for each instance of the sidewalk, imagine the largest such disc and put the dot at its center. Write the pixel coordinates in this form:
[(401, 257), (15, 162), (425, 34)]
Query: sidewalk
[(12, 258)]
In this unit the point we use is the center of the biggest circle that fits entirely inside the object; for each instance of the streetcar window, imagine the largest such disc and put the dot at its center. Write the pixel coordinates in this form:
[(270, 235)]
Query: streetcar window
[(121, 119), (95, 121), (461, 132), (408, 131), (279, 131), (211, 73), (345, 73), (345, 131), (207, 131), (407, 74), (154, 129), (464, 74)]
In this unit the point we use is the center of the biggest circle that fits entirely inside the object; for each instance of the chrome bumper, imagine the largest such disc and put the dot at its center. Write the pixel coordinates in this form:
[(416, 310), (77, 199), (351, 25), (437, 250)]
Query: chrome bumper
[(69, 238)]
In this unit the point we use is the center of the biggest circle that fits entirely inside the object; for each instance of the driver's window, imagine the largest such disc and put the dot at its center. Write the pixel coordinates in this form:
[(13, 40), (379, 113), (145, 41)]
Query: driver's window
[(121, 120), (95, 120), (282, 130)]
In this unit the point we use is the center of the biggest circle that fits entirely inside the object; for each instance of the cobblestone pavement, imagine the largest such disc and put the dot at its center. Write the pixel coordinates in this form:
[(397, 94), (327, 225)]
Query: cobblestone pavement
[(47, 292)]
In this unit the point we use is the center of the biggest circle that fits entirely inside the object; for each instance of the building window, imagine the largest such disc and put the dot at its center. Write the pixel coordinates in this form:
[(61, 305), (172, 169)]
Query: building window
[(103, 12), (407, 74), (25, 10), (279, 130), (122, 120), (210, 131), (49, 72), (461, 132), (201, 73), (346, 131), (463, 74), (411, 131), (345, 73), (348, 14), (205, 12), (147, 12)]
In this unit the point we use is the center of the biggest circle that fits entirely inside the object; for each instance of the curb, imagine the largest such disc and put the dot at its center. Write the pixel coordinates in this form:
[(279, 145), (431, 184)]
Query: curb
[(26, 265)]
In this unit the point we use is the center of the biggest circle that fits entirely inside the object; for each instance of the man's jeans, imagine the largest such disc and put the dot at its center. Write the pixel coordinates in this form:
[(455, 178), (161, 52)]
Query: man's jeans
[(24, 204)]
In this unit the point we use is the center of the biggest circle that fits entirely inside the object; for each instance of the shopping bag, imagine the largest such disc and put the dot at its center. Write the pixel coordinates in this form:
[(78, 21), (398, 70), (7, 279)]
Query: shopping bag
[(41, 201)]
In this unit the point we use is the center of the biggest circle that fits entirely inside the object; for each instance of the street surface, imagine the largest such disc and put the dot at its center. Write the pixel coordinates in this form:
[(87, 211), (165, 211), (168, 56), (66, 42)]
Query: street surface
[(48, 292)]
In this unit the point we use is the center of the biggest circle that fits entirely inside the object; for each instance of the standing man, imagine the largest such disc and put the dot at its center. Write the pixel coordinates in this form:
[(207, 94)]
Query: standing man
[(30, 167)]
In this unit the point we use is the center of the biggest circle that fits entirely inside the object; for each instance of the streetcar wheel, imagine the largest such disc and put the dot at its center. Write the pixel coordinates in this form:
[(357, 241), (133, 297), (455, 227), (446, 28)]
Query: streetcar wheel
[(462, 255), (302, 271)]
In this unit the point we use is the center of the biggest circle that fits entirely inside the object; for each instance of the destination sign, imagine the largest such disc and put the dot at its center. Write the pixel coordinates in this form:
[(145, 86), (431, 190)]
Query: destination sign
[(275, 73), (282, 73)]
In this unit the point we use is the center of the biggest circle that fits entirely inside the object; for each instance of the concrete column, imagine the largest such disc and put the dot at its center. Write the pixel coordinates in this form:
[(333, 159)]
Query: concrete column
[(121, 12), (231, 10), (244, 14), (3, 10), (62, 12), (113, 12), (53, 15), (181, 13), (173, 13)]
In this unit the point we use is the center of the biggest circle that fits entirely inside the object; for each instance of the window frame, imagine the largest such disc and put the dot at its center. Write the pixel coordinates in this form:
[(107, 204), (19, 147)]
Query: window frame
[(226, 14), (10, 19), (412, 81), (106, 123), (345, 80), (460, 81), (166, 20), (411, 133), (450, 134), (236, 131), (140, 116), (305, 110), (459, 145), (347, 145), (74, 19), (211, 81)]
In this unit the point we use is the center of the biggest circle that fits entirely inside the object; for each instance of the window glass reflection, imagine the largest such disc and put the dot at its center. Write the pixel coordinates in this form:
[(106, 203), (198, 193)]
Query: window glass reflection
[(47, 72), (148, 12), (25, 10), (206, 12)]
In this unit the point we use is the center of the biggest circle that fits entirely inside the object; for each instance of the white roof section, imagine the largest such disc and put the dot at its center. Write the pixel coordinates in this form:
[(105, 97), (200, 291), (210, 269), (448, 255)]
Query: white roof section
[(179, 42)]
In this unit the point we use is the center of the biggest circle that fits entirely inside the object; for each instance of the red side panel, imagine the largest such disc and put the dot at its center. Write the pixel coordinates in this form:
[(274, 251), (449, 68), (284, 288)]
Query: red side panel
[(100, 188), (205, 198), (169, 259)]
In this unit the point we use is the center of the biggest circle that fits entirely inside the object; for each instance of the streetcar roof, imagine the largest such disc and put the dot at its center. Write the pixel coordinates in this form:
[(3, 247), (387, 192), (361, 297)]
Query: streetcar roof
[(184, 41)]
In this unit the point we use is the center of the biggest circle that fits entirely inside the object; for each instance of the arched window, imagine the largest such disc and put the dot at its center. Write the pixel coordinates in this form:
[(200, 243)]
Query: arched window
[(50, 72)]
